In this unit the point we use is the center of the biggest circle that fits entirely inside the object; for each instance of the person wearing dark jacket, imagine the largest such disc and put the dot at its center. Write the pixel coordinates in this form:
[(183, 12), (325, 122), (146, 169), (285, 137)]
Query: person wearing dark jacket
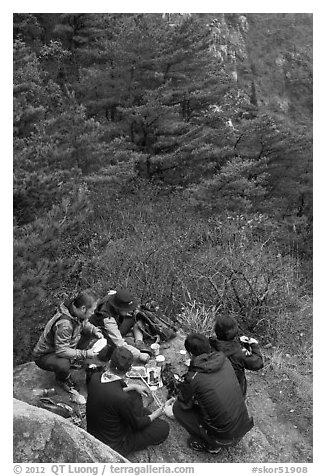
[(243, 353), (210, 405), (115, 413)]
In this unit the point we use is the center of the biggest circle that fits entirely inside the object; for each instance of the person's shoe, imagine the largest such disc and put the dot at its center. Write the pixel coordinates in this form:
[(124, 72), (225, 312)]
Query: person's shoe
[(213, 450), (77, 397), (68, 384), (196, 445), (58, 408)]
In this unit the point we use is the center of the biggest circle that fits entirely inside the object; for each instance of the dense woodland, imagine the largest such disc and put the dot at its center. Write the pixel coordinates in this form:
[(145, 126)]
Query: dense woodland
[(171, 154)]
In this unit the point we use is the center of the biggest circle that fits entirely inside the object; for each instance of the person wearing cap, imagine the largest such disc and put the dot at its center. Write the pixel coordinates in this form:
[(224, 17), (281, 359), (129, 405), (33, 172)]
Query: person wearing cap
[(57, 348), (115, 316), (115, 413)]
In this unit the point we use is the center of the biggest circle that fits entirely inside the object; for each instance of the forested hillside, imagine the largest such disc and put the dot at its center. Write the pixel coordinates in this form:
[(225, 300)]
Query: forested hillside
[(171, 154)]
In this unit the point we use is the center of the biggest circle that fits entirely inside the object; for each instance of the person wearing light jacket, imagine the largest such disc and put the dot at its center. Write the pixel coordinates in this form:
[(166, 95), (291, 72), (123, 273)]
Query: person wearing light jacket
[(56, 348), (115, 316)]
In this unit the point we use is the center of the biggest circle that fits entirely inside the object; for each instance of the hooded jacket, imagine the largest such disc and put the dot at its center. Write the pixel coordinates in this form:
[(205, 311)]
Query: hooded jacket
[(212, 385), (61, 335), (239, 358)]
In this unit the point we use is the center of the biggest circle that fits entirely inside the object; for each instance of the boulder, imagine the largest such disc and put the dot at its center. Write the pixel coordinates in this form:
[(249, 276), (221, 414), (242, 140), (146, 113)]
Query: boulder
[(43, 437), (29, 379)]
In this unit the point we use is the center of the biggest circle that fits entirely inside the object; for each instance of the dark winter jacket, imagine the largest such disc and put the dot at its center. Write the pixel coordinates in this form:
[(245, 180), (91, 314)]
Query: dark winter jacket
[(110, 415), (211, 384), (239, 358)]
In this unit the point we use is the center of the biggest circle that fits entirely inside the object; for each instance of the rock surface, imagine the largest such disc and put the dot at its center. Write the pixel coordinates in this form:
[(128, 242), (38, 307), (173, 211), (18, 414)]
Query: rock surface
[(43, 437), (273, 439)]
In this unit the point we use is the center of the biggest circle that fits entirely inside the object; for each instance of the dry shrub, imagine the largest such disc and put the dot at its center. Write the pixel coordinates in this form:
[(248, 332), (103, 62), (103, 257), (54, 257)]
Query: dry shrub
[(196, 317)]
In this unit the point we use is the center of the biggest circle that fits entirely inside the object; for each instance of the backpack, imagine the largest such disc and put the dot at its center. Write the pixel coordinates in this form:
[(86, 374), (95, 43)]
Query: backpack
[(155, 324)]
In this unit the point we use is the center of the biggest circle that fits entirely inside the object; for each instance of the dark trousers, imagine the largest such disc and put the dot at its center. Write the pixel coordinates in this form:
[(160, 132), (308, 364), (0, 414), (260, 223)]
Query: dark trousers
[(59, 365), (153, 434), (192, 421), (126, 325)]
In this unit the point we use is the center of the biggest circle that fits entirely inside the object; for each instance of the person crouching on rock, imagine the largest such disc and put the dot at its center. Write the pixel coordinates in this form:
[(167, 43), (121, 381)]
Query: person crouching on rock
[(210, 405), (56, 348), (115, 413), (116, 317), (243, 352)]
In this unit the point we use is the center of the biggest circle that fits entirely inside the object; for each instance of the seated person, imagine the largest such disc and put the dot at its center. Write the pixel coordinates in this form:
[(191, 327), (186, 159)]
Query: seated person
[(246, 356), (115, 316), (56, 348), (114, 411), (210, 405)]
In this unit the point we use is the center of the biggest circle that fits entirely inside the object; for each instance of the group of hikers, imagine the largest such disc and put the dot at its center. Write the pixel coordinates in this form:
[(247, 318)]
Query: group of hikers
[(210, 401)]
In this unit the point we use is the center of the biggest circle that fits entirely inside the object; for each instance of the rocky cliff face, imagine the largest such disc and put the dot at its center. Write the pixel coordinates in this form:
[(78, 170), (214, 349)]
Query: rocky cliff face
[(270, 52)]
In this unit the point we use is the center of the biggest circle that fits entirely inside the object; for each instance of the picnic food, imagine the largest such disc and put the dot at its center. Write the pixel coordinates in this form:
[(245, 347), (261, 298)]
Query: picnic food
[(137, 371)]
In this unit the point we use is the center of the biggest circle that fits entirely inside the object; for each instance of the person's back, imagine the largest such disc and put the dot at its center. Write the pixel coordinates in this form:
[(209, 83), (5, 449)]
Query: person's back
[(241, 358), (114, 410), (211, 406), (109, 413), (218, 394)]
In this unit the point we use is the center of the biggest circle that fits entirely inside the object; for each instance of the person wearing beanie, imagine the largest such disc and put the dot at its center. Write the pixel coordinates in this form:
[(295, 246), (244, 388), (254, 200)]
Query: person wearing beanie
[(115, 413), (116, 317), (243, 352), (210, 404)]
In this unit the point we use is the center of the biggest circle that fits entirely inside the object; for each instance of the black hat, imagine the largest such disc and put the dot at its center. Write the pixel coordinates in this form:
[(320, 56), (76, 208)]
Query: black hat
[(121, 359), (123, 300)]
